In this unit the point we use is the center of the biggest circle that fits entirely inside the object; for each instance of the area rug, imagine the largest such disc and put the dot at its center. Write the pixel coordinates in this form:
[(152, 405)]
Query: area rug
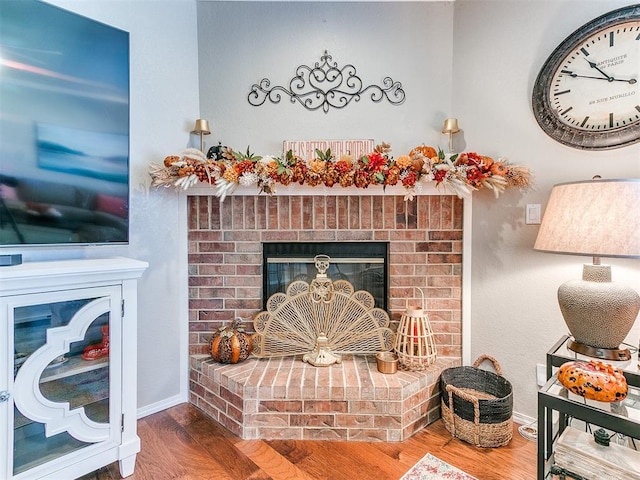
[(432, 468)]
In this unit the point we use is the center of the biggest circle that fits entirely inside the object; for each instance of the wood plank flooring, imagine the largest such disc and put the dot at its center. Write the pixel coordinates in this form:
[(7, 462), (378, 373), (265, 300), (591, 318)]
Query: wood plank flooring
[(184, 443)]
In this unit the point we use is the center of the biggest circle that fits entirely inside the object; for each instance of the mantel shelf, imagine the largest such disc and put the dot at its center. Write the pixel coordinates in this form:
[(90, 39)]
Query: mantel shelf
[(302, 190)]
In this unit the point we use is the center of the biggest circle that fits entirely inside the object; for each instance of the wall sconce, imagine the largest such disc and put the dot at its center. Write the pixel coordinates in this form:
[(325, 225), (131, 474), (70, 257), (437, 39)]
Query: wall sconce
[(597, 218), (450, 127), (201, 128)]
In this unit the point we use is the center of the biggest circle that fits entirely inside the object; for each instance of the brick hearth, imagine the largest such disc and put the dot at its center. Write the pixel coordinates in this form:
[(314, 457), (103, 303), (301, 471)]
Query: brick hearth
[(225, 267), (285, 398)]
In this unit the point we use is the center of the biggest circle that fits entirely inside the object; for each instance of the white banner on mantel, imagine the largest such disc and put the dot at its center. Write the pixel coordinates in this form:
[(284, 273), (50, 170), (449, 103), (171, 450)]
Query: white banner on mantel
[(306, 149)]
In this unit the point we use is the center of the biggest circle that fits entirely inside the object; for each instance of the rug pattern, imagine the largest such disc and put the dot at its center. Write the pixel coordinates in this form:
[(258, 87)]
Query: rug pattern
[(432, 468)]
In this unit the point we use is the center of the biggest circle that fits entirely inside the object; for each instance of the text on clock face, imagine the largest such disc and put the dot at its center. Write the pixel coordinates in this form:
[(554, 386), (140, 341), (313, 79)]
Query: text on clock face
[(612, 97), (610, 62)]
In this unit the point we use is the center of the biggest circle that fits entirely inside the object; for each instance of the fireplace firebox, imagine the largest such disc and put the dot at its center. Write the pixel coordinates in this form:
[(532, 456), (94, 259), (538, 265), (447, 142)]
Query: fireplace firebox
[(364, 264)]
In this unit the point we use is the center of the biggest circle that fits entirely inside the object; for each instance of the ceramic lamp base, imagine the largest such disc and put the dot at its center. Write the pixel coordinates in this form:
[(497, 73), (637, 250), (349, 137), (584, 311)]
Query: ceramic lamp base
[(617, 354), (598, 312)]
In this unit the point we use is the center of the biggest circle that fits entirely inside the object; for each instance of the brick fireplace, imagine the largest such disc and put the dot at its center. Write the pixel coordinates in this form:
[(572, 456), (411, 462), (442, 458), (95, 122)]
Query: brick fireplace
[(225, 268)]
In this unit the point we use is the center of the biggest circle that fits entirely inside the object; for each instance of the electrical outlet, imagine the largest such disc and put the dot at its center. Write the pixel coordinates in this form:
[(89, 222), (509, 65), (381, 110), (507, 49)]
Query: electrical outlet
[(541, 374)]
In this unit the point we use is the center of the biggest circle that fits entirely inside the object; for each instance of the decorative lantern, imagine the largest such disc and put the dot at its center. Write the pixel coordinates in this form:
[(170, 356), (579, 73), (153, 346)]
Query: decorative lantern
[(414, 343)]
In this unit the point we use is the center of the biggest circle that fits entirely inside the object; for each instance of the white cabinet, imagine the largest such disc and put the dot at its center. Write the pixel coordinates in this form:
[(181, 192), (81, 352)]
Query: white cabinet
[(68, 353)]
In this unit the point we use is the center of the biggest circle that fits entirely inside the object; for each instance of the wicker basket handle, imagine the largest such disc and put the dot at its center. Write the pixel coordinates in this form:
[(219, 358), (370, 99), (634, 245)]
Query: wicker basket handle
[(451, 390), (495, 363), (463, 395)]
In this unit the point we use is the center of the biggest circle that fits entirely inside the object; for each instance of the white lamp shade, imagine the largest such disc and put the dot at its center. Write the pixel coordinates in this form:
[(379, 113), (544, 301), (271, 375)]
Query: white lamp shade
[(599, 218)]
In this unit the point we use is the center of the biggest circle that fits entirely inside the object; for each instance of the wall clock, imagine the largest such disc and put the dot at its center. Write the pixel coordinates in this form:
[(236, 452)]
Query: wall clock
[(587, 94)]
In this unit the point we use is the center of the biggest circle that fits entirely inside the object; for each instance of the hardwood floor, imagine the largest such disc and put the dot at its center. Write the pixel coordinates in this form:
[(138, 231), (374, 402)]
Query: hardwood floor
[(184, 443)]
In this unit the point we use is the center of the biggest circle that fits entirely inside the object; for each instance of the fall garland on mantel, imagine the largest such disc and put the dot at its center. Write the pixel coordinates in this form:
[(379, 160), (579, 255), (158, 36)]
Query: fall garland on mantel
[(460, 173)]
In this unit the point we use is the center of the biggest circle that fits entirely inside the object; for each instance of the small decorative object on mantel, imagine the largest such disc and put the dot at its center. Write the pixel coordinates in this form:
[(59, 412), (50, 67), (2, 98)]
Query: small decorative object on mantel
[(414, 342), (460, 173), (230, 344), (338, 148), (321, 321), (594, 380), (325, 86)]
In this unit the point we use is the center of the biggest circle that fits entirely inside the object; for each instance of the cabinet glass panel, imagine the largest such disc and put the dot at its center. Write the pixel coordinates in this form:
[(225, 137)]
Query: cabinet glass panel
[(61, 371)]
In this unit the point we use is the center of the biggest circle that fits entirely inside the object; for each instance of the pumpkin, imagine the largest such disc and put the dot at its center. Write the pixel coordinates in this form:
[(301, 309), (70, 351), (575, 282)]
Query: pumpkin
[(230, 344), (594, 381), (427, 151), (499, 169)]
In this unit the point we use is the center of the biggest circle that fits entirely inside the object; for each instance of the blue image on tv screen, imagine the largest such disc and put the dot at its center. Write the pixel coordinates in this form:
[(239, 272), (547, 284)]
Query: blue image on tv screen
[(64, 127)]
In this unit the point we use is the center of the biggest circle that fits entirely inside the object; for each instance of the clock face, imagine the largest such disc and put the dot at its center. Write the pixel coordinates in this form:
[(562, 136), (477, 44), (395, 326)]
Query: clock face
[(587, 94)]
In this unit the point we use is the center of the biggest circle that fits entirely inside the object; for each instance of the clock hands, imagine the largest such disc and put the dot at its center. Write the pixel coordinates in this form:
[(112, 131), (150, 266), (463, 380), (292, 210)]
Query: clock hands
[(593, 65), (609, 79)]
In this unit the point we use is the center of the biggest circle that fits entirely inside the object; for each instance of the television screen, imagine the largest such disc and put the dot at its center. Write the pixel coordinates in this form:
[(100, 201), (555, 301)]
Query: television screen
[(64, 127)]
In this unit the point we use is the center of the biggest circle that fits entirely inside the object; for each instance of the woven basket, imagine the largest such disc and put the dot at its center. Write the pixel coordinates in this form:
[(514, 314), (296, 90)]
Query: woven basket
[(477, 405)]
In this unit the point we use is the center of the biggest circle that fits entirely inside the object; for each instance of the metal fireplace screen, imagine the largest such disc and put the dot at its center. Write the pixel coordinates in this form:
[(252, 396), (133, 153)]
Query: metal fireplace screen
[(363, 264)]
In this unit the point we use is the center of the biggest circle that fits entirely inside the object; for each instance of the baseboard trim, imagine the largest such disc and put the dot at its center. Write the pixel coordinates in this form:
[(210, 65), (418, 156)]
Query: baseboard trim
[(522, 419), (159, 406)]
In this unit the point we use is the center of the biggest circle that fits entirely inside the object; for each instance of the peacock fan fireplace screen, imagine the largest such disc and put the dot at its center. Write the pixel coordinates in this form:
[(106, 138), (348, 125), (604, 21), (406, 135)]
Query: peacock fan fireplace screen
[(321, 321)]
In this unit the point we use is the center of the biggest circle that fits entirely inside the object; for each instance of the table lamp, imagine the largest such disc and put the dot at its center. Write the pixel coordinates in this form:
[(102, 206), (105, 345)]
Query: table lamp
[(598, 218), (201, 128)]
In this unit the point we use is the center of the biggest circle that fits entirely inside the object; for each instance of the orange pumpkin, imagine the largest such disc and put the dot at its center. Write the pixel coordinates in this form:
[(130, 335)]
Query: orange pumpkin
[(230, 344), (499, 169), (594, 380), (425, 150), (170, 160)]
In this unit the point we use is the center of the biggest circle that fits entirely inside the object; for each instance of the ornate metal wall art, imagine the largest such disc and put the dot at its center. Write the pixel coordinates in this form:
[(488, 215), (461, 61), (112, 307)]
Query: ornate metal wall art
[(324, 86)]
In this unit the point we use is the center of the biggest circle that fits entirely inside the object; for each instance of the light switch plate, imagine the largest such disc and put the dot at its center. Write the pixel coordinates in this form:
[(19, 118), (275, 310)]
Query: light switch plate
[(532, 214)]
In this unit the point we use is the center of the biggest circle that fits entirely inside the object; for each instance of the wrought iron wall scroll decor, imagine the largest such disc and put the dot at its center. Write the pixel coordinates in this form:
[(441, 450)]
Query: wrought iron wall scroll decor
[(324, 86)]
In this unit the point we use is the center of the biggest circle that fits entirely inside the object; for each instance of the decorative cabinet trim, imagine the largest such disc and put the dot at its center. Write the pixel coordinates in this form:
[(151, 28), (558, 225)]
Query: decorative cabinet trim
[(58, 417)]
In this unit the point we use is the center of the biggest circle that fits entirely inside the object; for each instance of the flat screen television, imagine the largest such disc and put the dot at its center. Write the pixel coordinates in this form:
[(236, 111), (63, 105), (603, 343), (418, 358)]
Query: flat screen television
[(64, 128)]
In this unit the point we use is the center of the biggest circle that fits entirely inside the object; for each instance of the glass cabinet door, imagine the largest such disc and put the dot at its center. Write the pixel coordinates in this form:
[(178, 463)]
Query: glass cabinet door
[(65, 348)]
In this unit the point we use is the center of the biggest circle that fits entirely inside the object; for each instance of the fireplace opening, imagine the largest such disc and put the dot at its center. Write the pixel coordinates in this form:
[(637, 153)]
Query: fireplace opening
[(364, 264)]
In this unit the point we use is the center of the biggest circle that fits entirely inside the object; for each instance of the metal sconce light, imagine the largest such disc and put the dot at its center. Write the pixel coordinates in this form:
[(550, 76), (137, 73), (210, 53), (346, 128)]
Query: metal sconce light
[(450, 127), (201, 128)]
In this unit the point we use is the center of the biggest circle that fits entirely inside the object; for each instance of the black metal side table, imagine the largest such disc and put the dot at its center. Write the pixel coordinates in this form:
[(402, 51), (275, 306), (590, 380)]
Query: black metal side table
[(621, 417)]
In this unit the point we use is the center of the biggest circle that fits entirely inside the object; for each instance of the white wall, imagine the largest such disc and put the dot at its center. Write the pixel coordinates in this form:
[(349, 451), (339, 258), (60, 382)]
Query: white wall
[(240, 43), (499, 48), (164, 104)]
